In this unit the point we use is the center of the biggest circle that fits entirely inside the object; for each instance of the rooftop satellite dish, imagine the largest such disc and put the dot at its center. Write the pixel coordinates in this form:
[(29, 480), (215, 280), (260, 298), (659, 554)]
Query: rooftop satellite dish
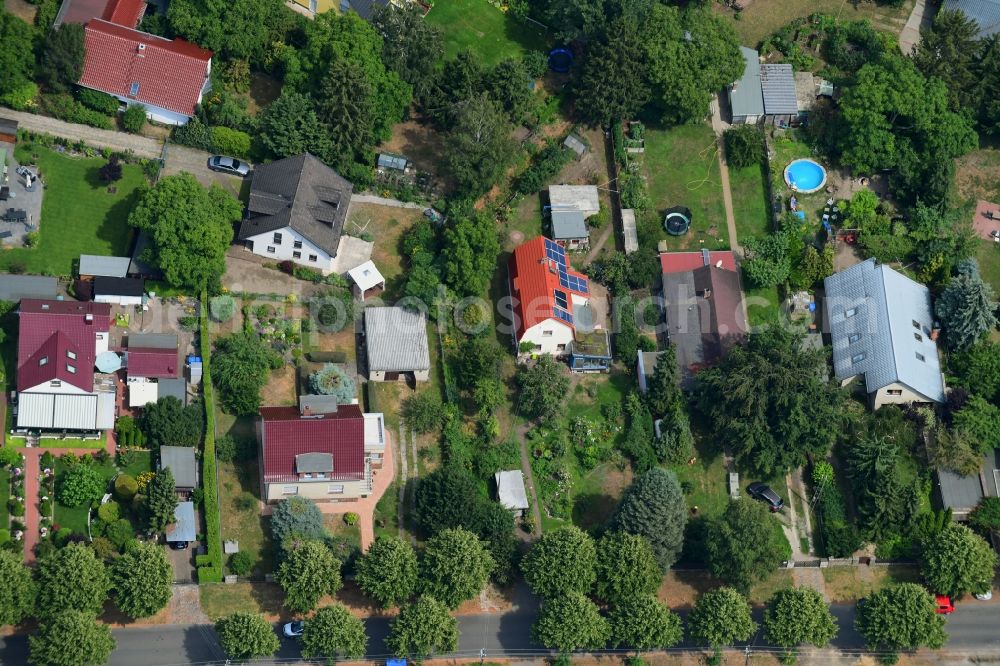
[(718, 264), (108, 362)]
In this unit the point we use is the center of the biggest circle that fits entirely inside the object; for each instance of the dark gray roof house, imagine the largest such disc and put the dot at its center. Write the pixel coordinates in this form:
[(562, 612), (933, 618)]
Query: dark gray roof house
[(153, 340), (961, 494), (16, 287), (763, 92), (984, 12), (364, 8), (181, 462), (777, 84), (302, 193)]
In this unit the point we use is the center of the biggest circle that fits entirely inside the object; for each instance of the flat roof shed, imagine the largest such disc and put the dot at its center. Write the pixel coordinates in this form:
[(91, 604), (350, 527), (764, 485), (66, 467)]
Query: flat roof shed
[(575, 197), (510, 490), (181, 462), (396, 340), (17, 287), (184, 527), (568, 224), (93, 265)]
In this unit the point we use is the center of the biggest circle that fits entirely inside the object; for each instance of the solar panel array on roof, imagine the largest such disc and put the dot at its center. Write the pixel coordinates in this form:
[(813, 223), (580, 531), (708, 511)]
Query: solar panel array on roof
[(564, 315), (558, 255), (561, 300)]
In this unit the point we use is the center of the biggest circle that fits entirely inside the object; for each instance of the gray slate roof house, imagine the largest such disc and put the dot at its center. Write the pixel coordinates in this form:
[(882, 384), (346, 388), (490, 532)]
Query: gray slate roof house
[(302, 193), (764, 91), (184, 527), (16, 287), (93, 265), (879, 323), (984, 12), (396, 340), (364, 8), (181, 462), (777, 83)]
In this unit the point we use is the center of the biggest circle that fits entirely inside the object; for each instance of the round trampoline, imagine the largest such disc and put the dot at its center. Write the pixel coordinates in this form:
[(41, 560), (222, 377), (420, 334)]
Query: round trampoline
[(805, 176), (560, 60), (677, 221)]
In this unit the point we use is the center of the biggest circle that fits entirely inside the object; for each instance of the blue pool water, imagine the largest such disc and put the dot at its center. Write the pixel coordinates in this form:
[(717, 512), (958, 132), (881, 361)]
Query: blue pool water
[(805, 175)]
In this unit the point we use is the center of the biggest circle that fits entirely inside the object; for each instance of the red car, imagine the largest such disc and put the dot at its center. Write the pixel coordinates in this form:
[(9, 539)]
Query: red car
[(944, 605)]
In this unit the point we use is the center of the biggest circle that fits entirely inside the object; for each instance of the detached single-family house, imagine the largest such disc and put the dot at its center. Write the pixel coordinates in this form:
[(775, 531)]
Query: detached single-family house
[(986, 14), (296, 212), (396, 345), (57, 345), (181, 462), (880, 324), (764, 92), (119, 291), (326, 453), (551, 308), (510, 491), (93, 265), (569, 208), (704, 310), (168, 77)]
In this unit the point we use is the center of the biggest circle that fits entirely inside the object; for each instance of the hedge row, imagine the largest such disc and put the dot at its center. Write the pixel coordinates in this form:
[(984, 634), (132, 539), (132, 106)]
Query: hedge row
[(210, 564)]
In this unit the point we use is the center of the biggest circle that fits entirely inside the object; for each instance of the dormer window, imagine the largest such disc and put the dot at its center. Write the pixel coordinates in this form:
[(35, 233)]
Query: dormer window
[(851, 312), (43, 360), (71, 355), (55, 383), (133, 89), (920, 357), (854, 337), (71, 369), (857, 358)]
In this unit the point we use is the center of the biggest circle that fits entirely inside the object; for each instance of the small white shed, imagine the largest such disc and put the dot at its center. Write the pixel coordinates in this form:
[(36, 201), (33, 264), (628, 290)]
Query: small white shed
[(510, 491)]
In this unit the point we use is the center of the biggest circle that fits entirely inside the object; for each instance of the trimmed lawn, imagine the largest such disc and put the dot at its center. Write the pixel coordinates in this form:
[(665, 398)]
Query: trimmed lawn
[(763, 304), (750, 204), (239, 500), (682, 169), (386, 516), (78, 214), (480, 27), (846, 584), (386, 226), (75, 518), (219, 599)]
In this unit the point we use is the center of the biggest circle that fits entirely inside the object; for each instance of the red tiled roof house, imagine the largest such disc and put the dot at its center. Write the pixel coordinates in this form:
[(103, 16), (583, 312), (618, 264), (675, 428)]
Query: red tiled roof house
[(320, 450), (168, 77), (58, 343)]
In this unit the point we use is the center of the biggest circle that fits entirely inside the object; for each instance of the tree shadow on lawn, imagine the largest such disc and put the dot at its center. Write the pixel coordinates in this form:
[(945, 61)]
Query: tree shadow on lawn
[(592, 510)]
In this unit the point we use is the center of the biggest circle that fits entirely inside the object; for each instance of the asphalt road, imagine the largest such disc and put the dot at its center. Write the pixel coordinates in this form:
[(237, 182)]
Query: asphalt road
[(972, 627)]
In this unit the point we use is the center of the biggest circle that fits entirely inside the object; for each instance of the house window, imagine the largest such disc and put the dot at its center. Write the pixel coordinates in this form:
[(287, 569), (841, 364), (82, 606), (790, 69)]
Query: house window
[(895, 392), (297, 245), (916, 324), (920, 357), (854, 337), (560, 347), (546, 334), (71, 355), (376, 457), (43, 360), (71, 369), (857, 358), (336, 489), (133, 89), (277, 239), (55, 382), (918, 337), (313, 257), (320, 475), (851, 312), (538, 348), (270, 249), (307, 476), (289, 490), (296, 255)]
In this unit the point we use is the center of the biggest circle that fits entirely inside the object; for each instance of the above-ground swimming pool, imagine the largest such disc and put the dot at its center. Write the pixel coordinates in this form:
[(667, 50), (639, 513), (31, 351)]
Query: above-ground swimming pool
[(805, 176)]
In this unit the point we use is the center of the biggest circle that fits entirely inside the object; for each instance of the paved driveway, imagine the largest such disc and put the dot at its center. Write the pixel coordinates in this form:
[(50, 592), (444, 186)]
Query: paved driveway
[(19, 199), (140, 145), (195, 162), (182, 562)]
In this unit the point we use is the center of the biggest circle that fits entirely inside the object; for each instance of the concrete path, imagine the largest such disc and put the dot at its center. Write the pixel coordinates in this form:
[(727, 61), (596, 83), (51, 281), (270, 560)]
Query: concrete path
[(140, 145), (921, 18), (719, 126), (382, 201)]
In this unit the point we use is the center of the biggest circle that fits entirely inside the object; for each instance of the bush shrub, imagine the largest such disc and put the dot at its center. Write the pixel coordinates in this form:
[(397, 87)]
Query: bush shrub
[(22, 97), (241, 563), (230, 141), (351, 518), (15, 508), (327, 357), (98, 101), (112, 171), (221, 308), (64, 107), (195, 134), (104, 549), (134, 118), (80, 485), (547, 163), (235, 449), (744, 146), (119, 532), (109, 512), (210, 564), (126, 486)]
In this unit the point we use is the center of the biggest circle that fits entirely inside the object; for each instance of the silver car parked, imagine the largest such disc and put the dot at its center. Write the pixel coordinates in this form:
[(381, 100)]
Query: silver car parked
[(229, 165)]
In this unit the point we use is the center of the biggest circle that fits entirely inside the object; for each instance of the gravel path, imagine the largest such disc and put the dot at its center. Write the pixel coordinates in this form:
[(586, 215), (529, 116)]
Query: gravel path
[(140, 145)]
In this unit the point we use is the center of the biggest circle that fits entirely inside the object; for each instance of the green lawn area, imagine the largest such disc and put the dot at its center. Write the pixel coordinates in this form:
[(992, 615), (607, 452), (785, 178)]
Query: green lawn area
[(239, 500), (78, 213), (763, 304), (682, 169), (988, 255), (75, 518), (750, 204), (480, 27)]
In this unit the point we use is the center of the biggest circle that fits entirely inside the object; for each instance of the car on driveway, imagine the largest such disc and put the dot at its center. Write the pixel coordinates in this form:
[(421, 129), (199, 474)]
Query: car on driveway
[(229, 165), (943, 605), (763, 492), (293, 629), (179, 545)]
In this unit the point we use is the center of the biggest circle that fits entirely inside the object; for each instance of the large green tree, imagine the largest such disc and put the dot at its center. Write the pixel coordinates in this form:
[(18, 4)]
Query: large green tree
[(561, 561), (422, 629), (966, 307), (71, 638), (720, 618), (571, 622), (613, 85), (653, 507), (247, 30), (446, 498), (142, 580), (246, 635), (191, 227), (71, 578), (471, 247), (297, 517), (289, 126), (411, 46), (799, 616), (956, 561), (167, 422), (161, 500), (643, 622), (767, 398), (900, 617), (17, 594), (333, 633), (388, 571), (17, 59), (80, 485), (543, 388), (626, 567), (455, 566), (977, 369), (478, 147), (691, 54), (987, 90), (745, 545), (61, 64), (572, 20), (240, 368), (309, 572), (947, 50)]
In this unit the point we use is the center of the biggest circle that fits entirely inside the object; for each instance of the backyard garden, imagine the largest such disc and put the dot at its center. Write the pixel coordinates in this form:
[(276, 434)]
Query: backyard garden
[(478, 26)]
